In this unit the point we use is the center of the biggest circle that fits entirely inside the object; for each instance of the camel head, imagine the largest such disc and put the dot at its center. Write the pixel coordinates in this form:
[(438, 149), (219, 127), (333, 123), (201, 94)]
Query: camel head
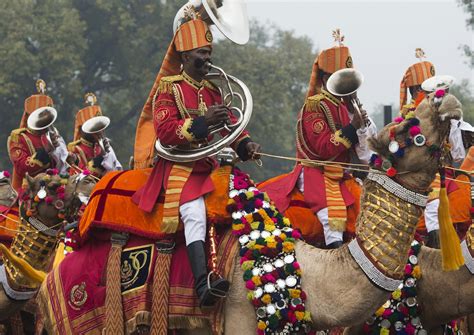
[(53, 198), (411, 148), (8, 195)]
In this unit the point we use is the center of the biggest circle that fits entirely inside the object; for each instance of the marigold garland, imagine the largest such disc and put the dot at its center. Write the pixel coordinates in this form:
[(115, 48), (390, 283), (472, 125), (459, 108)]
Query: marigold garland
[(271, 272), (400, 314)]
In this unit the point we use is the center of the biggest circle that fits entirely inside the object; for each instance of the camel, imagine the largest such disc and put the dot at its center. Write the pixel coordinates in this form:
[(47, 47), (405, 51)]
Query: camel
[(42, 241), (339, 291), (443, 296)]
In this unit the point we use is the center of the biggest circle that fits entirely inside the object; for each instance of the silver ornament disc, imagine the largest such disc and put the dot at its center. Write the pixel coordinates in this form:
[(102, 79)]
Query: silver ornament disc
[(393, 146), (244, 239), (42, 193), (413, 259), (289, 259), (291, 281), (269, 288), (278, 263), (254, 234)]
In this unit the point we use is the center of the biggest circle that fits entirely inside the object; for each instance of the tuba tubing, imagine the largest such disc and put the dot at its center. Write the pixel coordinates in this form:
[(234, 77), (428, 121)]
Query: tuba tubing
[(177, 154)]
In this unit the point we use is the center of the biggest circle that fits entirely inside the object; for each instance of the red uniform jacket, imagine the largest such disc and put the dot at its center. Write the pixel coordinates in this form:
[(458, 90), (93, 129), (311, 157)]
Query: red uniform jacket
[(27, 154), (178, 117), (324, 132), (85, 151)]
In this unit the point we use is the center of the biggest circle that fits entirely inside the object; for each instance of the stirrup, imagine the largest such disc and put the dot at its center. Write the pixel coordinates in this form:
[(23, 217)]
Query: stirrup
[(215, 291)]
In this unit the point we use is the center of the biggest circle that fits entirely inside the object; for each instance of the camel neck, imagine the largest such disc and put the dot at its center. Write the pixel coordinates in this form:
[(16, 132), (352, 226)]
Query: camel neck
[(35, 244), (386, 228)]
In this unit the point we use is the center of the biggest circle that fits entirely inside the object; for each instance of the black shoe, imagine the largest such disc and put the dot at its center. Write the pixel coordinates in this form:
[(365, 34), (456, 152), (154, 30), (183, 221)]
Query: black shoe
[(433, 239), (335, 245), (209, 292)]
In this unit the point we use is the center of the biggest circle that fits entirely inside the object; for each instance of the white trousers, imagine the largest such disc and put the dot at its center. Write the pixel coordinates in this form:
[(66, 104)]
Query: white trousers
[(330, 235), (193, 215), (431, 215)]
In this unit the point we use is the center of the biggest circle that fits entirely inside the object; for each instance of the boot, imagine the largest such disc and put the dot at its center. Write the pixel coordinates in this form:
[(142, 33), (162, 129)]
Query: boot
[(208, 292), (433, 239), (335, 245)]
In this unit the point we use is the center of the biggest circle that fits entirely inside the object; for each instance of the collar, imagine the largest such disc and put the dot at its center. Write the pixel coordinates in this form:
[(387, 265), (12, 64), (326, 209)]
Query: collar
[(196, 84)]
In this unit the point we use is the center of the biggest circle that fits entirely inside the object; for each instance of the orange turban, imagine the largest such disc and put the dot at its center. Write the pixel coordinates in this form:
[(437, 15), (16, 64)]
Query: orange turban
[(415, 75), (35, 101), (82, 116), (329, 61), (190, 35)]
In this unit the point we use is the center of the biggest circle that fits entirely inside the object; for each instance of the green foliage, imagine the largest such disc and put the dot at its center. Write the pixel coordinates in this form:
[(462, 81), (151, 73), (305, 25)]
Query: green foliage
[(463, 92), (114, 48), (468, 6), (276, 66), (40, 39)]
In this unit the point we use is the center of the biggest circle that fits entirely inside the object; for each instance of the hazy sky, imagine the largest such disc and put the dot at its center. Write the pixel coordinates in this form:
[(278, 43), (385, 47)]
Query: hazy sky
[(382, 36)]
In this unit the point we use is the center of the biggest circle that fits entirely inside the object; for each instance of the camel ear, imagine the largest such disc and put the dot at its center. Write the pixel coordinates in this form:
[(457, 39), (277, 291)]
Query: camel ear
[(30, 180)]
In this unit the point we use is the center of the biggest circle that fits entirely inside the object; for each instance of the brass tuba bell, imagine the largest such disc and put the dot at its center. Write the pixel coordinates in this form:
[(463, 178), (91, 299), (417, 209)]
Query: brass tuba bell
[(42, 119), (95, 126), (346, 82), (230, 17)]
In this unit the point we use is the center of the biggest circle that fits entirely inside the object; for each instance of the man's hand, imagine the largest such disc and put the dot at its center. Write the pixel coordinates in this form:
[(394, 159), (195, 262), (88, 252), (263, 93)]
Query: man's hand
[(253, 149), (217, 114)]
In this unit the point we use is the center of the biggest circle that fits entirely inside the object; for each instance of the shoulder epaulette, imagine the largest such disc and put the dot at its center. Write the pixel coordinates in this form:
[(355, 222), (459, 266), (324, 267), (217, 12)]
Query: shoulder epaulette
[(166, 83), (210, 85), (16, 133), (71, 145), (312, 102)]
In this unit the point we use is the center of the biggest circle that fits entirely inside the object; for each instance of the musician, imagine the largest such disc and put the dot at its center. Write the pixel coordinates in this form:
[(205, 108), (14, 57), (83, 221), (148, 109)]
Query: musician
[(182, 106), (329, 129), (86, 148), (29, 150), (414, 76)]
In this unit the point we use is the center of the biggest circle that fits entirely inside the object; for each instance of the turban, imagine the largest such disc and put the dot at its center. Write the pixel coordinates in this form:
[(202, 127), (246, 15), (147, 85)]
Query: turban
[(415, 75)]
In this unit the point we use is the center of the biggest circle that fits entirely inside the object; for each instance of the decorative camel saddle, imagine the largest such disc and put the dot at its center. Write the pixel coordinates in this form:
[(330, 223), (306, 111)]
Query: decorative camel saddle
[(75, 294)]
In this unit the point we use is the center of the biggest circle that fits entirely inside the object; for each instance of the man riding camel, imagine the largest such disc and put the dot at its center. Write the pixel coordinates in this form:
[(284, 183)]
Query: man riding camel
[(34, 151), (180, 108), (90, 148), (329, 129)]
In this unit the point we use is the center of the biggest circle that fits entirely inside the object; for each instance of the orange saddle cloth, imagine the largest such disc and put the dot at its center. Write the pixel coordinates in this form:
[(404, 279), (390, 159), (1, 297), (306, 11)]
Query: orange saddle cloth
[(111, 206)]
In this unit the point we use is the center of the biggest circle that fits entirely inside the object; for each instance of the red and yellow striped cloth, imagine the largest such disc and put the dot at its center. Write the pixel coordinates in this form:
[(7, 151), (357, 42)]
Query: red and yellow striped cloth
[(329, 61), (415, 75)]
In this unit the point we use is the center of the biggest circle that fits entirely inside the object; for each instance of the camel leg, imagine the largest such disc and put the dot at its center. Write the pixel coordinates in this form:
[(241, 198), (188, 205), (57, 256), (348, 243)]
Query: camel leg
[(354, 330), (8, 307)]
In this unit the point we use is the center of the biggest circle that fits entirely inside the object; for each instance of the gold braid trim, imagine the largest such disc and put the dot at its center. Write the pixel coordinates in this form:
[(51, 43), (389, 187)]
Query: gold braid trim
[(71, 145), (210, 85), (341, 139), (386, 228), (166, 84), (15, 134), (188, 123)]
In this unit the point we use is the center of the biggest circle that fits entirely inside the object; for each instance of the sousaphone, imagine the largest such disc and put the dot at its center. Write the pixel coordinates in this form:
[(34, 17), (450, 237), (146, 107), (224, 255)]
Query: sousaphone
[(95, 126), (42, 119), (230, 17)]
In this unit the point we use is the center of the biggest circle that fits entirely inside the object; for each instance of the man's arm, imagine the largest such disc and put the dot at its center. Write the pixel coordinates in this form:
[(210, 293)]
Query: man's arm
[(23, 161)]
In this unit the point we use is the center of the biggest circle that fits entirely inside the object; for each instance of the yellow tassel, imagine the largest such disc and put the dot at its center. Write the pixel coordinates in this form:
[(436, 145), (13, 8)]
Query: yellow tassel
[(35, 276), (58, 258), (450, 245)]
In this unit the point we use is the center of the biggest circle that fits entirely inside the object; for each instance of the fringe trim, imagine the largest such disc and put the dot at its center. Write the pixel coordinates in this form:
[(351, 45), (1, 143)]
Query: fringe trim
[(166, 83), (35, 277), (141, 318), (337, 224), (341, 139), (192, 322)]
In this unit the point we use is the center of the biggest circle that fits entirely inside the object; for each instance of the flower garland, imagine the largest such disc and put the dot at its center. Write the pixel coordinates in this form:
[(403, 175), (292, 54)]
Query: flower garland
[(399, 315), (271, 272)]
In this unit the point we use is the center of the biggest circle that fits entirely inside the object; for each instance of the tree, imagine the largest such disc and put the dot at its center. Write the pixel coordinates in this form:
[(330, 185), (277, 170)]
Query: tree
[(276, 66), (115, 48), (40, 39), (463, 92), (469, 8)]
